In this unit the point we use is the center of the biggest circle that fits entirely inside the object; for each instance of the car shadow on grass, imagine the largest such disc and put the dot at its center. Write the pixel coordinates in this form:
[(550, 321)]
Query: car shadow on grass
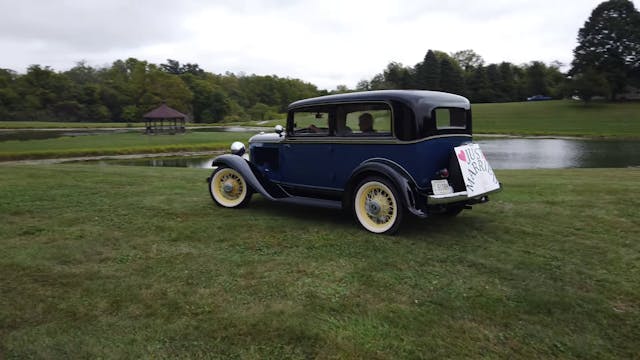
[(429, 229)]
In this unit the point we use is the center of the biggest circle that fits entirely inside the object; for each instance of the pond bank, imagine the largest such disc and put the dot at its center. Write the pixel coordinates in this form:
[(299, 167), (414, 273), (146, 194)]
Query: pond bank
[(111, 157)]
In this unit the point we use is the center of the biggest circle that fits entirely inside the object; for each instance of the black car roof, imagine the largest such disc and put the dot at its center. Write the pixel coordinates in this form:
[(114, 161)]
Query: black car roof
[(414, 98)]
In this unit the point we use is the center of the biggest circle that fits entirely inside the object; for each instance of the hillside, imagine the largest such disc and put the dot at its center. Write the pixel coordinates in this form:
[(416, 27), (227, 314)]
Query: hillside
[(558, 117)]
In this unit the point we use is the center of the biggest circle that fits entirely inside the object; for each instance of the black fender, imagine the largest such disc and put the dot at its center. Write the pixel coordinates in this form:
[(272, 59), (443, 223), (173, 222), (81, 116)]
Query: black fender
[(403, 182), (253, 177)]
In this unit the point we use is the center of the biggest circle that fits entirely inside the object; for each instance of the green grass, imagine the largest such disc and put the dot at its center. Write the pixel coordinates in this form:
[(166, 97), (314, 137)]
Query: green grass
[(558, 117), (567, 118), (82, 125), (123, 143), (133, 262)]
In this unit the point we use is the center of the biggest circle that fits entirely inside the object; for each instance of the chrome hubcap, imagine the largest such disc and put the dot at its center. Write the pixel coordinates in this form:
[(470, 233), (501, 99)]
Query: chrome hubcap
[(373, 208), (227, 187)]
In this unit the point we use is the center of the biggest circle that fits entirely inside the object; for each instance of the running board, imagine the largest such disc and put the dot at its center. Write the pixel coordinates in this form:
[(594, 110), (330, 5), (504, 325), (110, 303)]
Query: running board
[(300, 200)]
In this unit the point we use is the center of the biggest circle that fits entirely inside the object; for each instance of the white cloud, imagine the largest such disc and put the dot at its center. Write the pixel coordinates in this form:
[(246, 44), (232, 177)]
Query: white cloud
[(327, 43)]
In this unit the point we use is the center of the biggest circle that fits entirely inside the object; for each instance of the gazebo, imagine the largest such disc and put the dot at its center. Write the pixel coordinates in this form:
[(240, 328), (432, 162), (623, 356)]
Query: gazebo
[(175, 120)]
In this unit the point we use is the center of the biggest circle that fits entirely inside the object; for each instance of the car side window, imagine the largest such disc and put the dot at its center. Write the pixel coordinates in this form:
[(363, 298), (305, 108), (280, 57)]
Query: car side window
[(311, 123), (364, 120)]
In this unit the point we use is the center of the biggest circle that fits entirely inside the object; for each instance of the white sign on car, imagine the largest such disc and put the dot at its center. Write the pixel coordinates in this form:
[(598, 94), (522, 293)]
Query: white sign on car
[(476, 171)]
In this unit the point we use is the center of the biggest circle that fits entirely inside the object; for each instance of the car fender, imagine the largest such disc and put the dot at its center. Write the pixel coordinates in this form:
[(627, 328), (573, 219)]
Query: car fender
[(403, 182), (257, 182)]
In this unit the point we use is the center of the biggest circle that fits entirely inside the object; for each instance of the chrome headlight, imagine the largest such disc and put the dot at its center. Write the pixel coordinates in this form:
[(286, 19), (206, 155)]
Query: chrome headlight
[(279, 129), (237, 148)]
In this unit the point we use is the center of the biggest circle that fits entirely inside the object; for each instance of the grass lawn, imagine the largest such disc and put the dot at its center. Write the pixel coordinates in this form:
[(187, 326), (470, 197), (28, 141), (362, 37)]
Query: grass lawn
[(134, 262), (122, 143), (566, 117), (68, 125), (64, 125), (557, 117)]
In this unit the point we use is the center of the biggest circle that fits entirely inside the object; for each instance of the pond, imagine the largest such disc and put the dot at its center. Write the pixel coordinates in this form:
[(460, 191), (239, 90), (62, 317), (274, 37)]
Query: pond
[(521, 153)]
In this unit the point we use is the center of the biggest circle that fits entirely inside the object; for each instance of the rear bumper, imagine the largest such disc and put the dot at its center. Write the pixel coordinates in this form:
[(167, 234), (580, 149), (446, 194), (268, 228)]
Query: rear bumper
[(456, 197)]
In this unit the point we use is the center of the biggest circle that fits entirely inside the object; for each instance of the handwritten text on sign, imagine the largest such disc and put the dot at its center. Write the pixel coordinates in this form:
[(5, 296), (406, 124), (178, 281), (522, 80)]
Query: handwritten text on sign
[(476, 171)]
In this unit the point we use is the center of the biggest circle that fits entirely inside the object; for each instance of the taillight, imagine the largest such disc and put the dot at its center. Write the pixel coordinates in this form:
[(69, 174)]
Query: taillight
[(443, 173)]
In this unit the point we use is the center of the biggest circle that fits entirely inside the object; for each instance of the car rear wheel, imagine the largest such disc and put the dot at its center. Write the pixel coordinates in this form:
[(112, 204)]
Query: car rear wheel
[(377, 206), (228, 188)]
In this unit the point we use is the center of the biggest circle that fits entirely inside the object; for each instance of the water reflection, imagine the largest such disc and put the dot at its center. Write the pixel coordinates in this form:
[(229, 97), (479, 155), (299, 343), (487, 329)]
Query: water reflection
[(560, 153), (202, 162), (501, 153)]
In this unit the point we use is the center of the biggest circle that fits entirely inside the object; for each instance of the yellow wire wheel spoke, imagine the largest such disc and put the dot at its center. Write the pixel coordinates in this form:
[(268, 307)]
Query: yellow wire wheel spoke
[(376, 206), (228, 188)]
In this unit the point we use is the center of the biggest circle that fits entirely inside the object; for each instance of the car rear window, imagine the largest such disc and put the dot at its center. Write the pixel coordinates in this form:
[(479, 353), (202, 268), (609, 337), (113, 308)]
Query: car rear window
[(449, 118)]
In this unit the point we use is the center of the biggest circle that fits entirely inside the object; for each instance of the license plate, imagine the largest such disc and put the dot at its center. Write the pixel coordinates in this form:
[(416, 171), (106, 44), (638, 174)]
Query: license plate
[(441, 187)]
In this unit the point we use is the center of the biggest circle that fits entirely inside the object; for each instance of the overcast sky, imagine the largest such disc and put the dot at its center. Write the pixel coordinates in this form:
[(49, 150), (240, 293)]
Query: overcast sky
[(327, 43)]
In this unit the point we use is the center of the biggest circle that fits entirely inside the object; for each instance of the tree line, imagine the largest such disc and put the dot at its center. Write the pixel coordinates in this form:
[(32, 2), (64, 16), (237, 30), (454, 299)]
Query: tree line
[(606, 63), (465, 73), (129, 88)]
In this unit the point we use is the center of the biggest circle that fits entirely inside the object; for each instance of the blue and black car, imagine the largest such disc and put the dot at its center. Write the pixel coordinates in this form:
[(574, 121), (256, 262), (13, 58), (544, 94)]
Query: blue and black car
[(380, 154)]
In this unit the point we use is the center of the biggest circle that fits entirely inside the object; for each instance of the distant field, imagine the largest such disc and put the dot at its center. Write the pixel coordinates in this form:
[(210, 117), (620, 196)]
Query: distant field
[(137, 262), (552, 118), (123, 143), (566, 117)]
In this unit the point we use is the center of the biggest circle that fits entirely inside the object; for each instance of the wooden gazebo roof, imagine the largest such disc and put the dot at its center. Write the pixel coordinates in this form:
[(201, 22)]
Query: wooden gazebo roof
[(175, 120), (164, 112)]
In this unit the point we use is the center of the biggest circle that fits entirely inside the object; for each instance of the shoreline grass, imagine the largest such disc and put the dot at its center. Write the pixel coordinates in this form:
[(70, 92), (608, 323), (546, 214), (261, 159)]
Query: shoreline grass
[(61, 125), (136, 262), (116, 144)]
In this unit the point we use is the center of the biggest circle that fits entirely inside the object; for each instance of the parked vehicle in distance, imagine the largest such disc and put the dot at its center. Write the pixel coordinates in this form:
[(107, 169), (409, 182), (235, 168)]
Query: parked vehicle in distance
[(539, 98), (381, 154)]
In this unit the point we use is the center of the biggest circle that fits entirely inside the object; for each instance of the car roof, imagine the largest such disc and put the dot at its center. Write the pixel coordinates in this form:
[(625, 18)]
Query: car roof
[(413, 98)]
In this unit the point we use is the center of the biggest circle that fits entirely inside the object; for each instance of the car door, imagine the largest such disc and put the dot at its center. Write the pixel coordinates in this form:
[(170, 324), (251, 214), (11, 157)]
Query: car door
[(306, 154)]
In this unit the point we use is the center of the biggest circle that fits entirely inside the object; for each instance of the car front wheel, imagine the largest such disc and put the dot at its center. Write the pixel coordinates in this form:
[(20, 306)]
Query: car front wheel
[(228, 188), (377, 206)]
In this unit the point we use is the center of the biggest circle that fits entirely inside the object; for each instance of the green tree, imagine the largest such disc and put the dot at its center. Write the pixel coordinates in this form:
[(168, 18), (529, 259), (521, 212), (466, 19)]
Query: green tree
[(363, 85), (262, 111), (160, 86), (536, 75), (495, 84), (9, 98), (588, 84), (397, 76), (478, 85), (609, 43), (451, 76), (468, 59), (427, 75), (508, 83)]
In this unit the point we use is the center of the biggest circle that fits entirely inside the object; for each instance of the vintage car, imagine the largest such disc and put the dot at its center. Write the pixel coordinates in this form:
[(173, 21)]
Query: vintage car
[(380, 154)]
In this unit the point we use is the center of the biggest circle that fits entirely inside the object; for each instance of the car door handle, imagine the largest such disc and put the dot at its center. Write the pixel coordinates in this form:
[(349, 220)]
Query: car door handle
[(287, 146)]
